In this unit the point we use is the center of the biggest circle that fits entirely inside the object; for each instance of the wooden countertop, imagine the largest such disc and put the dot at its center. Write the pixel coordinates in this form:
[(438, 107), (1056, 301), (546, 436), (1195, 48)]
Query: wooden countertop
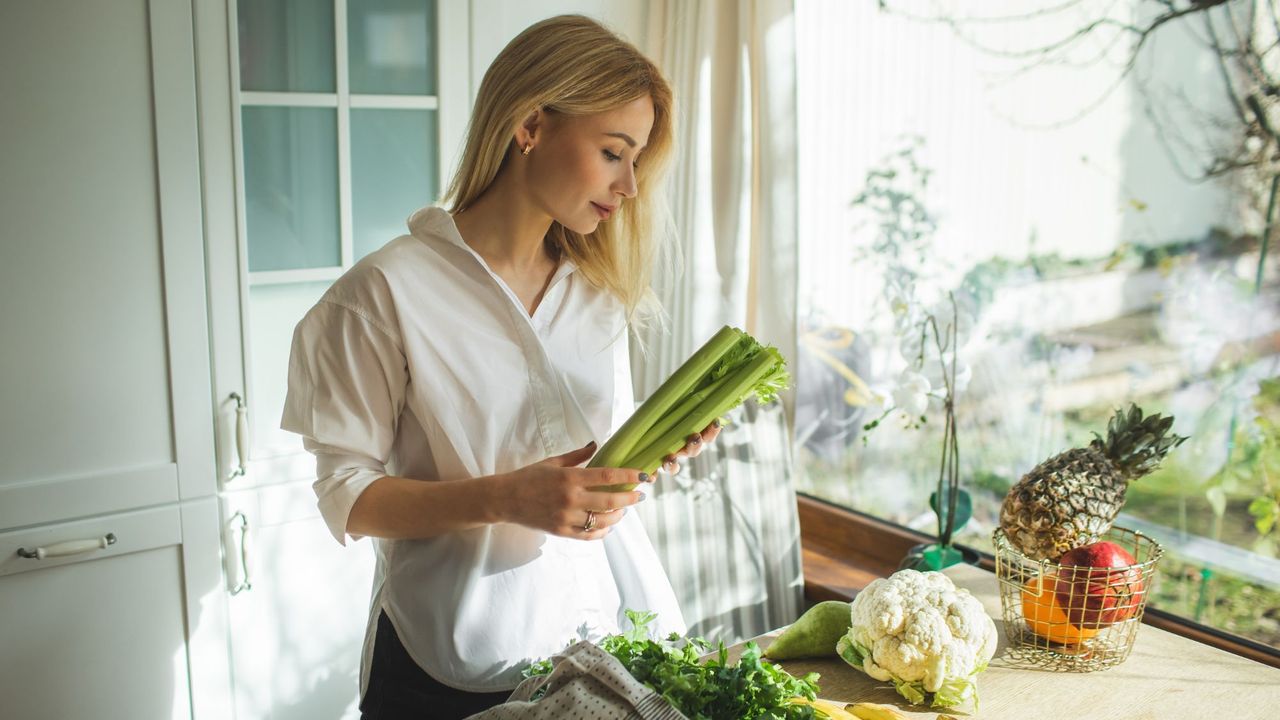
[(1166, 677)]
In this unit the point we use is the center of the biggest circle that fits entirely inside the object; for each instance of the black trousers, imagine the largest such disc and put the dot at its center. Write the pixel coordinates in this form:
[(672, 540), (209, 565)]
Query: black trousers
[(398, 688)]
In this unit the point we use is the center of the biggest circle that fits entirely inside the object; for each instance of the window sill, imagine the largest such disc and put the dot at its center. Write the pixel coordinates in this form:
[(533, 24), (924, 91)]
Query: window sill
[(844, 550)]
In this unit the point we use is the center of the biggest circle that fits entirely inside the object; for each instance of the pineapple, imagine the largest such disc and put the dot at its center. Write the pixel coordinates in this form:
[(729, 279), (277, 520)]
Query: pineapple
[(1071, 499)]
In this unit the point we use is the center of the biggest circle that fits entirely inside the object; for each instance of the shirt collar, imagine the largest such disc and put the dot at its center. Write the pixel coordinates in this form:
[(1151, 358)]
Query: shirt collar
[(435, 223)]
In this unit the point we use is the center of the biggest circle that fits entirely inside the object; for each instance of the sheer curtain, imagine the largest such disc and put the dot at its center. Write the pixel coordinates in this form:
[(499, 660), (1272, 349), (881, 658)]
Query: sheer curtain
[(726, 526)]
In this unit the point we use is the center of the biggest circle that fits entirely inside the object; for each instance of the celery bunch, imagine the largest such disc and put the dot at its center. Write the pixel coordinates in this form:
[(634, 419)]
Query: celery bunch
[(721, 375)]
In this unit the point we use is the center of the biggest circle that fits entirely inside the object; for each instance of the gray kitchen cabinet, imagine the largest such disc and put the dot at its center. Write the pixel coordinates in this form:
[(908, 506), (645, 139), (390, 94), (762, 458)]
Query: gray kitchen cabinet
[(299, 607), (99, 631), (110, 580)]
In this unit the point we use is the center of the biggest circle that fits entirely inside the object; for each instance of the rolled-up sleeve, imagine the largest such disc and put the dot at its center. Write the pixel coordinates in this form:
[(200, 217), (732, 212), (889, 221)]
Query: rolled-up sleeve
[(346, 390)]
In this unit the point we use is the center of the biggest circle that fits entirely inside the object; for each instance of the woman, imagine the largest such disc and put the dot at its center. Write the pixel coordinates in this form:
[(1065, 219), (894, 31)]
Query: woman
[(453, 383)]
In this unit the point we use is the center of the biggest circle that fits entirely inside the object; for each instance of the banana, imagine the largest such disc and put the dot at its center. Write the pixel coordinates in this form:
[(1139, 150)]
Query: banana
[(874, 711), (826, 707)]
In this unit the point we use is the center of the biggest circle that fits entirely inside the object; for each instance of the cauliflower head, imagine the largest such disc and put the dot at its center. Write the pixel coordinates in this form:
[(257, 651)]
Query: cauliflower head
[(923, 634)]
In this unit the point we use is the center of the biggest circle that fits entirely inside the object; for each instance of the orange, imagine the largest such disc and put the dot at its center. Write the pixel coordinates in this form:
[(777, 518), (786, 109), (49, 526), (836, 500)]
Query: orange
[(1045, 616)]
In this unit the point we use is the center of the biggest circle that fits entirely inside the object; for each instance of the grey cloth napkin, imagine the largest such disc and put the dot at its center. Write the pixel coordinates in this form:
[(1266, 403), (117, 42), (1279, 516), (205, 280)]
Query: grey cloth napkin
[(585, 682)]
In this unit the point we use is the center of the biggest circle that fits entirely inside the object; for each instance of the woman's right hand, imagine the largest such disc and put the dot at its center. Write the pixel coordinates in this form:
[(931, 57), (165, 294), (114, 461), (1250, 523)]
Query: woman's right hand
[(554, 495)]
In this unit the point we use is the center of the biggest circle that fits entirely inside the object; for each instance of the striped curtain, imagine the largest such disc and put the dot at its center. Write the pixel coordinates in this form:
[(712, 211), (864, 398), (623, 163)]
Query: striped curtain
[(726, 526), (726, 530)]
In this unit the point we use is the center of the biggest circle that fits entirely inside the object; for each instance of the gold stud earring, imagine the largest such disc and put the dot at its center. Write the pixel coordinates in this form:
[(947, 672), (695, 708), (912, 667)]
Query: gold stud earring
[(526, 150)]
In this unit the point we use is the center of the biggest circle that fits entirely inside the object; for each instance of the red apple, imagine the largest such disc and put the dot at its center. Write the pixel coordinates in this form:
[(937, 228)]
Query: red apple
[(1099, 585)]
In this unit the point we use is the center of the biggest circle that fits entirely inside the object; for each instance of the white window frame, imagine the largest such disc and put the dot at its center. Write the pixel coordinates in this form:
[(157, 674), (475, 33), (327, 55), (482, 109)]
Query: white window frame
[(451, 104)]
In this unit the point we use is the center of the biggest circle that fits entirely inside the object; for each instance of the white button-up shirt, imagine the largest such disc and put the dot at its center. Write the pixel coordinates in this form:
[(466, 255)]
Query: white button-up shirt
[(421, 362)]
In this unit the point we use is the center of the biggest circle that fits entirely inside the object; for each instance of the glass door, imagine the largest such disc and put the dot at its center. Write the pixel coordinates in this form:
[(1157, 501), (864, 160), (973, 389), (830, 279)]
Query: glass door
[(338, 141), (339, 116)]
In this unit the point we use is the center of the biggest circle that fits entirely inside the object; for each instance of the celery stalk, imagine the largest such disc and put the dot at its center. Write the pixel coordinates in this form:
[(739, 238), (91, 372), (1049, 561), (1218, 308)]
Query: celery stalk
[(676, 417), (734, 358), (726, 370), (616, 449), (763, 376)]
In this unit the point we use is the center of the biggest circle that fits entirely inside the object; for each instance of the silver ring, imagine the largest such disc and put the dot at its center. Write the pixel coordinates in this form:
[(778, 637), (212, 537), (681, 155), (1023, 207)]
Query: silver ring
[(590, 524)]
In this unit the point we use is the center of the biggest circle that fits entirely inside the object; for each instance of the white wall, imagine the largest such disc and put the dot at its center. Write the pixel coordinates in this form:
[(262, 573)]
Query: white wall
[(495, 22)]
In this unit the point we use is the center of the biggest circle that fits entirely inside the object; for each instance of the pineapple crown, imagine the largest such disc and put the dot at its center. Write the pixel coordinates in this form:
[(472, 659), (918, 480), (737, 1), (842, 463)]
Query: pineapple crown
[(1137, 444)]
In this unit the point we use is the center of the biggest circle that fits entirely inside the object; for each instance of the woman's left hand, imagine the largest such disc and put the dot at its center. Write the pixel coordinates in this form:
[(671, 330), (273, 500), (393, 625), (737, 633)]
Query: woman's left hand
[(691, 448)]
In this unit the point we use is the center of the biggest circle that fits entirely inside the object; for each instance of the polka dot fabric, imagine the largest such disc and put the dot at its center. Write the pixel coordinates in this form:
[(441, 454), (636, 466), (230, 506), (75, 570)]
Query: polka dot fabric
[(586, 683)]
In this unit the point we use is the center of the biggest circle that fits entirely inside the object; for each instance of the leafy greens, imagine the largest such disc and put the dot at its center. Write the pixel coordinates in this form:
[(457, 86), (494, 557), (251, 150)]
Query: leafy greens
[(716, 689)]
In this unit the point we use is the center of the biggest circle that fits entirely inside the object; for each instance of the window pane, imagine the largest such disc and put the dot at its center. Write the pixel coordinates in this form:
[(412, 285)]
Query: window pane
[(1089, 272), (393, 172), (291, 187), (286, 45), (392, 47)]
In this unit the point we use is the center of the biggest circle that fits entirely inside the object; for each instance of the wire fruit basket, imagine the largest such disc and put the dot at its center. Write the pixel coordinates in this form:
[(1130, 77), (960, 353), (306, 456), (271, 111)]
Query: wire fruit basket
[(1074, 618)]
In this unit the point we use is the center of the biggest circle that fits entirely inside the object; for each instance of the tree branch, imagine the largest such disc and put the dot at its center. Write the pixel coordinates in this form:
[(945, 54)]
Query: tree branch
[(1227, 83), (1200, 144), (981, 19), (1244, 43)]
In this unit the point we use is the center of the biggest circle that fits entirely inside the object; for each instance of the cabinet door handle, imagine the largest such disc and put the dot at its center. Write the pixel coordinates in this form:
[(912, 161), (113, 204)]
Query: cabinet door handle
[(244, 583), (69, 547), (242, 437)]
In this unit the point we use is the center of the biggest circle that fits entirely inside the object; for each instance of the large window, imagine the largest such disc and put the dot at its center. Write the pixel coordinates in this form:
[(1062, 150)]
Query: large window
[(1100, 227)]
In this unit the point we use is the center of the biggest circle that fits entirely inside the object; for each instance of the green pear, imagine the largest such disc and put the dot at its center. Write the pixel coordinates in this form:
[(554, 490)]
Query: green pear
[(815, 634)]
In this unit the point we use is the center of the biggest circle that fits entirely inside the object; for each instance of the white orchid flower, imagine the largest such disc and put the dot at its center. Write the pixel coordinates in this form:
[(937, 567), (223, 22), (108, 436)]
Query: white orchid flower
[(881, 398), (912, 393)]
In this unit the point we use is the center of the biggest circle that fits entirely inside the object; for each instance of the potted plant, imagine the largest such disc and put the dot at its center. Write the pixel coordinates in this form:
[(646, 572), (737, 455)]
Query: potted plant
[(951, 504)]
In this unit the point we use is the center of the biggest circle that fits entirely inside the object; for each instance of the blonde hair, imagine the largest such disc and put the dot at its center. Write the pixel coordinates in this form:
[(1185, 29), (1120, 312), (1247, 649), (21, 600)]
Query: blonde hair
[(572, 65)]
